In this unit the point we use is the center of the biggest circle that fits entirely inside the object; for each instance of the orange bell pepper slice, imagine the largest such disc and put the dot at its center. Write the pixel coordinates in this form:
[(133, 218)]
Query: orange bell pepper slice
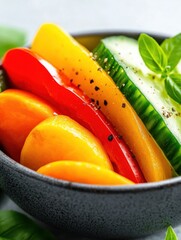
[(76, 62), (83, 172), (20, 112)]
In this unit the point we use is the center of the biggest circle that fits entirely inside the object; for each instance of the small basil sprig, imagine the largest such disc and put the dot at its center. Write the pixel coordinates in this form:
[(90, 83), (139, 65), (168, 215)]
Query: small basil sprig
[(170, 234), (16, 226), (163, 59)]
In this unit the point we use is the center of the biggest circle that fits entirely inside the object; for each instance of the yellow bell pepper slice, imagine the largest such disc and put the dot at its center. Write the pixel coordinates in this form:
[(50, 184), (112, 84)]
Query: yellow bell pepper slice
[(65, 53)]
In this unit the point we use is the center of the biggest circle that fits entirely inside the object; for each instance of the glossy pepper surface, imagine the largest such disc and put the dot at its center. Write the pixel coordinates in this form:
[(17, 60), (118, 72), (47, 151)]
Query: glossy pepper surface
[(26, 70)]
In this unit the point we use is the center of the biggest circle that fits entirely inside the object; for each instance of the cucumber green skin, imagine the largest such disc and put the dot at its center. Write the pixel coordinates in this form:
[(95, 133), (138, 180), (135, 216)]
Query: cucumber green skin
[(149, 115), (3, 84)]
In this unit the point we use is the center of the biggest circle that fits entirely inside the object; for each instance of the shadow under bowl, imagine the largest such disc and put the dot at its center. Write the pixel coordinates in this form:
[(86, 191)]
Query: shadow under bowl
[(122, 212)]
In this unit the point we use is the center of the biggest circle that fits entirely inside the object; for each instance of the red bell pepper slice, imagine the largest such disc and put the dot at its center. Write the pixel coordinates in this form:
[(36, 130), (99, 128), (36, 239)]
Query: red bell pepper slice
[(30, 72)]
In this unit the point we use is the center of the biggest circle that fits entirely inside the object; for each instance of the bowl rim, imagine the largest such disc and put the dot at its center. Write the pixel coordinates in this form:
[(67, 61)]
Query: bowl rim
[(15, 166), (118, 32), (130, 33)]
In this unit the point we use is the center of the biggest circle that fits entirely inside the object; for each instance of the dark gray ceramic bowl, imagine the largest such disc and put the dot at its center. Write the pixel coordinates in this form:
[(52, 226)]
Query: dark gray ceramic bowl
[(93, 211)]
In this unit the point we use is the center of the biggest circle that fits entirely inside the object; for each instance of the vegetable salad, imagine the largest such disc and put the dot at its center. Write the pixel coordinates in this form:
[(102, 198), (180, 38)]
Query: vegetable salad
[(110, 117)]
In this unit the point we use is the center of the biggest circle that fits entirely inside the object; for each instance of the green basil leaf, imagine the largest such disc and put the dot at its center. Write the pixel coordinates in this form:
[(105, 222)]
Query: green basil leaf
[(173, 86), (16, 226), (168, 44), (152, 54), (172, 48), (10, 38), (170, 234)]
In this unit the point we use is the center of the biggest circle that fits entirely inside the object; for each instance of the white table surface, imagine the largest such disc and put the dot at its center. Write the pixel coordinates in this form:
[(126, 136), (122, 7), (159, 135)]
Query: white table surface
[(79, 16)]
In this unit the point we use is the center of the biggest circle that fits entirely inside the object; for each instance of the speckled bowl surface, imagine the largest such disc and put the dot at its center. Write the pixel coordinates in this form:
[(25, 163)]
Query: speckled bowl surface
[(121, 212)]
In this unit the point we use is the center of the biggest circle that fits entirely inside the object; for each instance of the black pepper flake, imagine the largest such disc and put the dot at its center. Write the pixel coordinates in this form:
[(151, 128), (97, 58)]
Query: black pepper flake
[(71, 80), (78, 85), (96, 88), (105, 102), (110, 137), (123, 105), (92, 100), (76, 73), (97, 102), (167, 114), (99, 69), (91, 81)]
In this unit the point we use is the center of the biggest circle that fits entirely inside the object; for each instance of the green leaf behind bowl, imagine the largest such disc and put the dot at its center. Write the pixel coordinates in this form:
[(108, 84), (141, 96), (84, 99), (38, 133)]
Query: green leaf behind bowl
[(11, 37), (17, 226)]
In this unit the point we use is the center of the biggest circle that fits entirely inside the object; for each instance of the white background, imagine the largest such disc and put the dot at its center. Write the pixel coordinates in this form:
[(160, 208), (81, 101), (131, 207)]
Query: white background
[(78, 16), (154, 16)]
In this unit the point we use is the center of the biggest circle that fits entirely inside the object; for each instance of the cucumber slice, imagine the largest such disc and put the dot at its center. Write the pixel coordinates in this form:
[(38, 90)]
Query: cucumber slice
[(120, 58), (2, 80)]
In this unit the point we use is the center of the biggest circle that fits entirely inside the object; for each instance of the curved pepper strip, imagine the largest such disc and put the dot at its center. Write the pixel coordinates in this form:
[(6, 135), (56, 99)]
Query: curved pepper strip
[(30, 72), (83, 173), (65, 53)]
